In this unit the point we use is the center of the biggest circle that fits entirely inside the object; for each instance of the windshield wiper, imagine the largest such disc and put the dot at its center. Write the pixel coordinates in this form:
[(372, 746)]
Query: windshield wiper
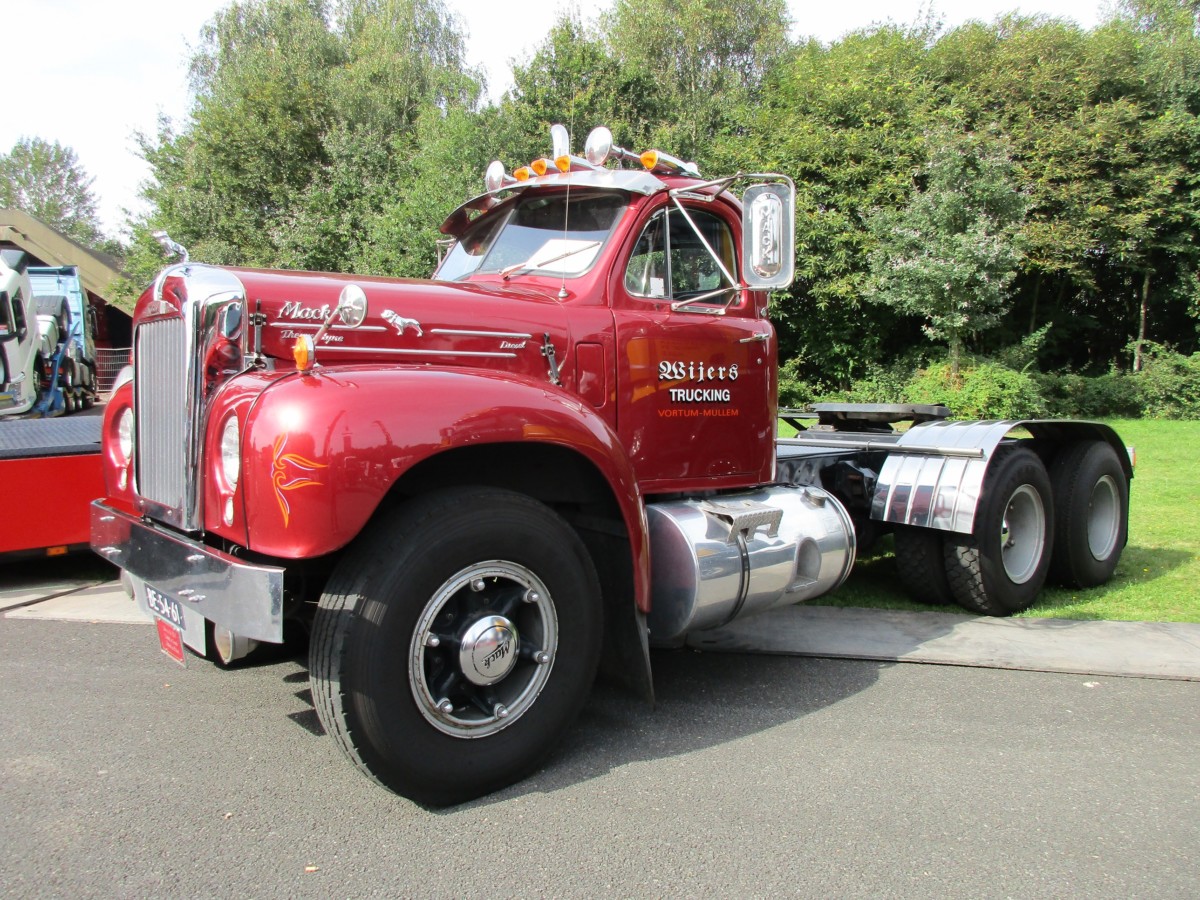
[(509, 270)]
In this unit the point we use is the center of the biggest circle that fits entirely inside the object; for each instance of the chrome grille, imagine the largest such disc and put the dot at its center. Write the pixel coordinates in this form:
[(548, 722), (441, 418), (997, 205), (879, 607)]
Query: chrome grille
[(160, 391)]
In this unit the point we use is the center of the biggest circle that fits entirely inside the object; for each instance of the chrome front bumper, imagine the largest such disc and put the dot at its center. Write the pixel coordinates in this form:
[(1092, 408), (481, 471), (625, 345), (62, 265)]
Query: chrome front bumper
[(244, 597)]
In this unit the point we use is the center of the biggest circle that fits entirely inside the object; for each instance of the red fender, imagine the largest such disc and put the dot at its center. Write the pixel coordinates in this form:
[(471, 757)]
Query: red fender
[(321, 451)]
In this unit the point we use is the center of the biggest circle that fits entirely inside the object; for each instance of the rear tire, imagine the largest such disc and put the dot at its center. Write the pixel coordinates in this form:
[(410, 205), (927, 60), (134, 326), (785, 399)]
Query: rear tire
[(1091, 503), (1001, 567), (921, 564), (455, 643)]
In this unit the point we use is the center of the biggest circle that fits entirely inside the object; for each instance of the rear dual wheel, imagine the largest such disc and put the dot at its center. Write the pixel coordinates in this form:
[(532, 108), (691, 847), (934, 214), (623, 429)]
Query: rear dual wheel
[(455, 643), (1000, 568), (1091, 500), (1068, 526), (921, 564)]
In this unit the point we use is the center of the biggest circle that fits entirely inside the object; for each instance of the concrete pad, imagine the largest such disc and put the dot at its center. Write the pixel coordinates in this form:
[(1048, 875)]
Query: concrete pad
[(1167, 650), (106, 602), (25, 594)]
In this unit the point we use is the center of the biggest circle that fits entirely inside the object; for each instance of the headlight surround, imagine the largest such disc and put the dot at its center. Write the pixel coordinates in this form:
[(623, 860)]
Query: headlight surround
[(125, 434), (231, 455)]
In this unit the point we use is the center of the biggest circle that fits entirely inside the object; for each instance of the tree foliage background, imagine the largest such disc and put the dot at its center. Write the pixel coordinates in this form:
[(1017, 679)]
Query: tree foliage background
[(338, 135), (47, 181)]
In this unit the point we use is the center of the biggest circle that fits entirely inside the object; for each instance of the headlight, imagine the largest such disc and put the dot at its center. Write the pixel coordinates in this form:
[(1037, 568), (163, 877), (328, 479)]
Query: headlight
[(231, 457), (125, 434)]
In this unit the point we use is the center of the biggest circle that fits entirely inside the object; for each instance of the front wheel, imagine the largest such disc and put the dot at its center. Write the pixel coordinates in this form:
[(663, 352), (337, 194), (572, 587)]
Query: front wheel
[(1000, 568), (456, 642)]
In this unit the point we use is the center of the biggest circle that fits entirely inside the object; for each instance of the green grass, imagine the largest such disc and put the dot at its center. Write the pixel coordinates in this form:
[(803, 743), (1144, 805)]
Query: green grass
[(1158, 577)]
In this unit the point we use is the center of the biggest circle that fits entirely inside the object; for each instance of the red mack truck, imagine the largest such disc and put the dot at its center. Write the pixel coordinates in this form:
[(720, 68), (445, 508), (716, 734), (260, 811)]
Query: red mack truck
[(477, 490)]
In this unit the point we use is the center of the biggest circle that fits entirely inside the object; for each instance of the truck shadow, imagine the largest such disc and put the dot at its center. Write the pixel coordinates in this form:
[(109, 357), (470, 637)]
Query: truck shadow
[(703, 700)]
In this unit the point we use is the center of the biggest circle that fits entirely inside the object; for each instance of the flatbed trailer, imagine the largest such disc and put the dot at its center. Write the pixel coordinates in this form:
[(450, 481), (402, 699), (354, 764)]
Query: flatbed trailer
[(50, 472)]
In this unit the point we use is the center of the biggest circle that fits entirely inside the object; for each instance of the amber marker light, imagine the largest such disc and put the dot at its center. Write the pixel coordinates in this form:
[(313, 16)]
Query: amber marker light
[(657, 161), (541, 166), (523, 174), (304, 353)]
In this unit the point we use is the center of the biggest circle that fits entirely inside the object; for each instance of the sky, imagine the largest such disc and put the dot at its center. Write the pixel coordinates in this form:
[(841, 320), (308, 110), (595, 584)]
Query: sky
[(101, 72)]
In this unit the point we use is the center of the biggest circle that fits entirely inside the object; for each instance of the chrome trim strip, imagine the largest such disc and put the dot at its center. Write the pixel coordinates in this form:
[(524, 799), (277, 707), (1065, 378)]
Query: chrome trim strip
[(880, 446), (504, 335), (401, 352), (244, 597), (317, 325)]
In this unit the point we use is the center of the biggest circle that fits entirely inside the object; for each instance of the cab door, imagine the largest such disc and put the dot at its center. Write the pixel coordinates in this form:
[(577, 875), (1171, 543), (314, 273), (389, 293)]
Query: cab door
[(695, 367), (15, 344)]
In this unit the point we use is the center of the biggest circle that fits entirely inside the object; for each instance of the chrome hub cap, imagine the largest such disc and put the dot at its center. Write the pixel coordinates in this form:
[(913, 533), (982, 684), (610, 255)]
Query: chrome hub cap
[(488, 650), (483, 649)]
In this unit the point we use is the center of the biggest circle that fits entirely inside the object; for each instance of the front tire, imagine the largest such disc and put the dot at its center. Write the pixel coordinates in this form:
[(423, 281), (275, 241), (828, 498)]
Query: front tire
[(455, 643), (1001, 567)]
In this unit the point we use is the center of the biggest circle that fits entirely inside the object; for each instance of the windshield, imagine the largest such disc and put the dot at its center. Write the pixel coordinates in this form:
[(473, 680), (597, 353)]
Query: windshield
[(540, 233)]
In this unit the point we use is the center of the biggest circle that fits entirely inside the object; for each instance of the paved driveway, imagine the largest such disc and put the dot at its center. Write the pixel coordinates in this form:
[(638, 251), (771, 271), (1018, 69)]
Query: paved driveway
[(124, 775)]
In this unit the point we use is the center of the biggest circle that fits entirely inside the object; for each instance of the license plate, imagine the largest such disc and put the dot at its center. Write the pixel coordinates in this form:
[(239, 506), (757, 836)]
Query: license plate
[(168, 616)]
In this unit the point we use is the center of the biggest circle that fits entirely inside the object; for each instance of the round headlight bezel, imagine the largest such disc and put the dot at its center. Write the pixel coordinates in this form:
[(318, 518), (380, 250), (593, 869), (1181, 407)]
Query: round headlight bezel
[(231, 452), (125, 434)]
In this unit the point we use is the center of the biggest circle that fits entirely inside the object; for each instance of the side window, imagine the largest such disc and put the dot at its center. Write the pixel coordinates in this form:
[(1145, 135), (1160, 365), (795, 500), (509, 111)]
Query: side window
[(671, 262), (646, 274), (18, 313)]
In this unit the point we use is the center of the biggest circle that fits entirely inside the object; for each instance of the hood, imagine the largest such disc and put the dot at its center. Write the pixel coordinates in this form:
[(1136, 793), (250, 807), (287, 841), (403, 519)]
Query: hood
[(407, 321)]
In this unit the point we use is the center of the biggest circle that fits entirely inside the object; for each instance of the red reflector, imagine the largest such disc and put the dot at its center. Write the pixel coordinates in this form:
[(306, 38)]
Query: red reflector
[(170, 639)]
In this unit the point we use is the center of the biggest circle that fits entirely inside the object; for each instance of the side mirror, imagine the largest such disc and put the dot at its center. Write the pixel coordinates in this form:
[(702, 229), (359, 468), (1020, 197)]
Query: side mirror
[(768, 236)]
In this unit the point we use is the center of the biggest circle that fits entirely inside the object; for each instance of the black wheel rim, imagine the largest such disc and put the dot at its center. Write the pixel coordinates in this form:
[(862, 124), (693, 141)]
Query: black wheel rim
[(483, 649)]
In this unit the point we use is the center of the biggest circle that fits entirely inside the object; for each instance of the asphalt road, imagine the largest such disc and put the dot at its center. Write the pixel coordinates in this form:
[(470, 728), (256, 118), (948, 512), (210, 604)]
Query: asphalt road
[(122, 775)]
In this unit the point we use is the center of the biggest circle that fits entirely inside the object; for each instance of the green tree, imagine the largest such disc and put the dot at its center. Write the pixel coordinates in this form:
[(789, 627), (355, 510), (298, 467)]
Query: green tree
[(950, 255), (847, 122), (443, 160), (303, 117), (1161, 186), (574, 79), (47, 181), (704, 59), (1101, 141)]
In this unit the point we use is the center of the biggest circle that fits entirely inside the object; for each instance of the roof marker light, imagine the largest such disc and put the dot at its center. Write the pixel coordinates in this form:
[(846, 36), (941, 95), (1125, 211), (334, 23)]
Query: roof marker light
[(664, 164), (569, 163), (523, 174)]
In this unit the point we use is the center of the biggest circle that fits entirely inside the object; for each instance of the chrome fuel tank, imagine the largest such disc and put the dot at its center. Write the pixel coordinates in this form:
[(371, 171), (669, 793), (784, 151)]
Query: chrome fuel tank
[(717, 559)]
